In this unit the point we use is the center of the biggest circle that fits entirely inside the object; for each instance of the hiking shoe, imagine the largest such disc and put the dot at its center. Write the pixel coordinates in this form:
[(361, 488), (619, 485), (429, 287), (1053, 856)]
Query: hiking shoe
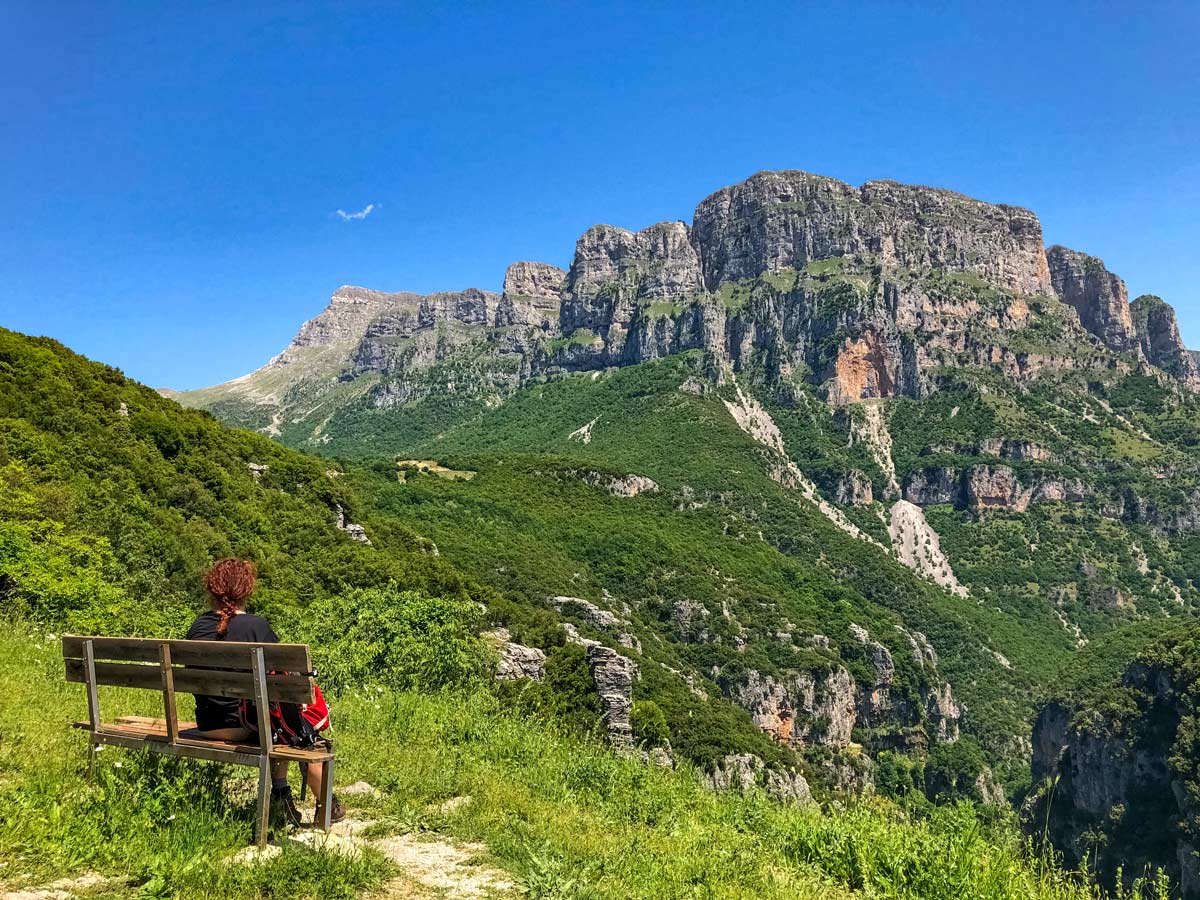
[(336, 813), (284, 814)]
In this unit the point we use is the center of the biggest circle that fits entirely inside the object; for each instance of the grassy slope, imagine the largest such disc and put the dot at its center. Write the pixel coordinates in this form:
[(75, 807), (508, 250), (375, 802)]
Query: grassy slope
[(565, 817)]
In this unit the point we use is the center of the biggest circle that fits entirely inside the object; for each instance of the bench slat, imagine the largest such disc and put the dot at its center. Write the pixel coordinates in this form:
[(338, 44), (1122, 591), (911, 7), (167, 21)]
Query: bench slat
[(140, 736), (224, 654), (285, 688), (152, 722)]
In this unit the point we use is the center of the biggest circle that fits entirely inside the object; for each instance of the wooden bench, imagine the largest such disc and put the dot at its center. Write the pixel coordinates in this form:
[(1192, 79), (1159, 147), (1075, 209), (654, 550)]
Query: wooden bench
[(264, 673)]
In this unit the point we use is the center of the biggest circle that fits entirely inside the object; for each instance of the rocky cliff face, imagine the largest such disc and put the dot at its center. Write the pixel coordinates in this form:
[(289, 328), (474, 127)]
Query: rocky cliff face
[(982, 487), (865, 291), (532, 295), (1159, 338), (1096, 294), (777, 220), (830, 277), (824, 707), (744, 772), (1115, 783)]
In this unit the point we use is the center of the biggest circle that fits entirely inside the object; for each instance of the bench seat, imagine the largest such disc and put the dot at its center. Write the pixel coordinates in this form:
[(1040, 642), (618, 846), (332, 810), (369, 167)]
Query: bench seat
[(144, 731)]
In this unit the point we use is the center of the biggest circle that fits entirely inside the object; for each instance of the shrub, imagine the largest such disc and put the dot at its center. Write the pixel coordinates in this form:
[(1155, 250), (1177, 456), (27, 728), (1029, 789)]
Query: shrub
[(952, 769), (650, 724), (574, 698), (897, 775), (402, 640)]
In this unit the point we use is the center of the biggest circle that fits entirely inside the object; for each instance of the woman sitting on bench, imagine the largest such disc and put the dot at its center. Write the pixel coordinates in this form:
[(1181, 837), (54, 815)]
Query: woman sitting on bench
[(230, 582)]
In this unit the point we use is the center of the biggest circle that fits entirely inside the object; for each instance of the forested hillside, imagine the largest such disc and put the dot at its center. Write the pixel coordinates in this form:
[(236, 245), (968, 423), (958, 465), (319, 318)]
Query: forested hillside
[(115, 500)]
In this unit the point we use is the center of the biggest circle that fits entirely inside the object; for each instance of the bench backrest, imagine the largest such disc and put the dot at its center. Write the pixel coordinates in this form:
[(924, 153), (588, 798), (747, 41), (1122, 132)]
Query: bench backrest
[(216, 668)]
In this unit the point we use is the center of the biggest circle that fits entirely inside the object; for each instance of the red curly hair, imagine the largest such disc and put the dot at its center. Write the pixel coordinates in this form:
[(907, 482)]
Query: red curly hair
[(229, 582)]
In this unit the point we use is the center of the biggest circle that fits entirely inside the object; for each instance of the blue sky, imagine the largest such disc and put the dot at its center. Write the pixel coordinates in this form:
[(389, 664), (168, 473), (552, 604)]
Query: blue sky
[(170, 173)]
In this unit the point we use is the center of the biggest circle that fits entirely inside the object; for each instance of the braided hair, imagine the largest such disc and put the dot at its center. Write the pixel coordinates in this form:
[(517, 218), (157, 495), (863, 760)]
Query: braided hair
[(229, 582)]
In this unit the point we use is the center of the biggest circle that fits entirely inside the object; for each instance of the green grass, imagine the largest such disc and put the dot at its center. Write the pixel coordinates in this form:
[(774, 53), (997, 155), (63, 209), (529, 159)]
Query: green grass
[(565, 817), (829, 266), (662, 310), (1130, 446), (580, 337), (167, 825)]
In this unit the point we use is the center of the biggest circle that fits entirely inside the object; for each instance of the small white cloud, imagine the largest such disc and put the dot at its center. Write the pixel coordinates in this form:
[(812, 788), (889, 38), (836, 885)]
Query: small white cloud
[(361, 214)]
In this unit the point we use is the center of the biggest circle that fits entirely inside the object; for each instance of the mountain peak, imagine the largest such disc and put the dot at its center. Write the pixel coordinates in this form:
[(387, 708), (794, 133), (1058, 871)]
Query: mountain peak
[(1160, 340), (1096, 294), (787, 219), (870, 292)]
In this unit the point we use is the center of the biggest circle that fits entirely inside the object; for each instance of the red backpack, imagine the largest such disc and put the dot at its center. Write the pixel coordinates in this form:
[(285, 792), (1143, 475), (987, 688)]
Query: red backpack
[(294, 724)]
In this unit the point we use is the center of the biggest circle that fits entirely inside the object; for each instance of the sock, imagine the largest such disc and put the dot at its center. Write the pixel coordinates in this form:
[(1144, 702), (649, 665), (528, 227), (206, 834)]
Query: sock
[(279, 785)]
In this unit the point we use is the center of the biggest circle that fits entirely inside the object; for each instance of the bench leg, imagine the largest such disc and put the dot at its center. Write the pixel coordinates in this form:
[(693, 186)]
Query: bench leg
[(264, 801), (326, 798)]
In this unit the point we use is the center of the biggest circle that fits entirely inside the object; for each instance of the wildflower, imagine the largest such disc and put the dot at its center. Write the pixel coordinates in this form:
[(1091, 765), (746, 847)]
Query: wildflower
[(118, 765)]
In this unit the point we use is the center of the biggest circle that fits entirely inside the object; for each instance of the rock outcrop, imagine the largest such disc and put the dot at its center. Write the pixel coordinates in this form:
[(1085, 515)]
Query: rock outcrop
[(990, 486), (777, 220), (1161, 342), (1099, 296), (613, 676), (532, 295), (356, 533), (621, 485), (516, 660), (942, 713), (1119, 788), (876, 706), (408, 317), (593, 615), (801, 708), (744, 772), (824, 707), (854, 489)]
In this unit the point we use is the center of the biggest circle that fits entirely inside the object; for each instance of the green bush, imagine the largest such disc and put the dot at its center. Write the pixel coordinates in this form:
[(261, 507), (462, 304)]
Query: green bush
[(952, 769), (573, 695), (650, 727), (403, 640), (898, 776)]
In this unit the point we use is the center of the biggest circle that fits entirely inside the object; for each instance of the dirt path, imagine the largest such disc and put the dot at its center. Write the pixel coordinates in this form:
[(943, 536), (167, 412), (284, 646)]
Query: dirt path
[(430, 865)]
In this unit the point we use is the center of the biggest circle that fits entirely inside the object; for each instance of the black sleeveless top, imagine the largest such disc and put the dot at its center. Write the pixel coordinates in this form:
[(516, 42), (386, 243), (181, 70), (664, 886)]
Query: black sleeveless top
[(222, 712)]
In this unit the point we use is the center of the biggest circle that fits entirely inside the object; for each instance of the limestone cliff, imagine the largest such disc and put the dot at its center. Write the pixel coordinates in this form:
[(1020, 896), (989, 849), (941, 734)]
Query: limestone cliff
[(1096, 294), (1115, 774), (532, 295), (867, 292), (829, 706), (1158, 334), (777, 220)]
